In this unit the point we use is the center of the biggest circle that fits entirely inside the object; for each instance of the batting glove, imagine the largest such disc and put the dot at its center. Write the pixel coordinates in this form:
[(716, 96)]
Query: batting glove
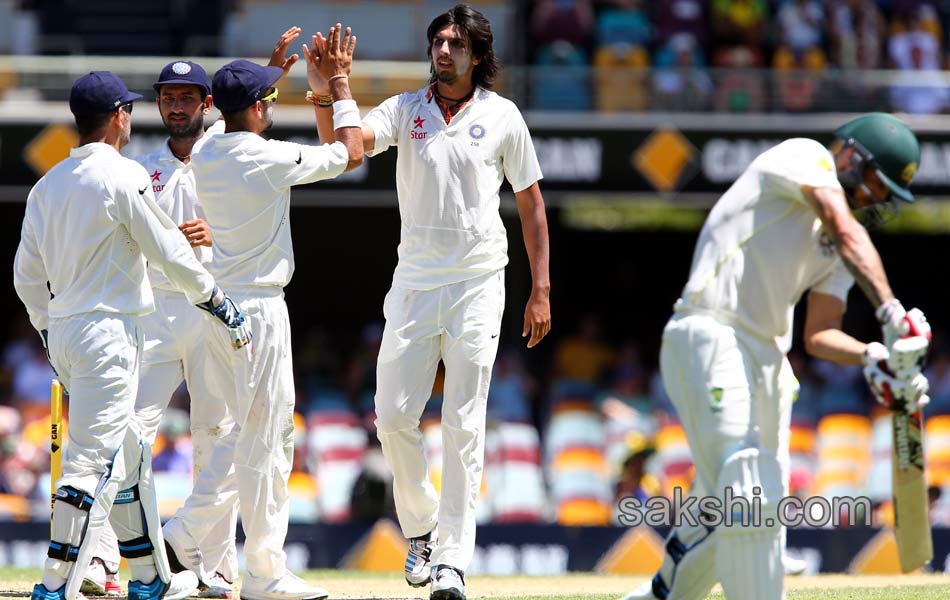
[(894, 393), (44, 335), (222, 307)]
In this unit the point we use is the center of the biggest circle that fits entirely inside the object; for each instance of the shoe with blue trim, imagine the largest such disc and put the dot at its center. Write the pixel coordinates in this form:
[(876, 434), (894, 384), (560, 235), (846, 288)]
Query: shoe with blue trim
[(418, 572), (181, 586), (41, 593)]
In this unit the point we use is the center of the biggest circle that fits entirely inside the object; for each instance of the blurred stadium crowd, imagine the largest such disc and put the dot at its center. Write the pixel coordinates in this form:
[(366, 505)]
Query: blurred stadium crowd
[(604, 55), (563, 446), (705, 54)]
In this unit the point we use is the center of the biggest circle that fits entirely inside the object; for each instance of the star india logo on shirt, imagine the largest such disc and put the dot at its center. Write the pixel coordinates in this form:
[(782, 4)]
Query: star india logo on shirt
[(418, 135)]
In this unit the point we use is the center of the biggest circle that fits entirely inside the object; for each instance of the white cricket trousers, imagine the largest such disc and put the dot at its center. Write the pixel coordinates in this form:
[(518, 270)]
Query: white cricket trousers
[(258, 386), (97, 358), (175, 350), (719, 379), (459, 324)]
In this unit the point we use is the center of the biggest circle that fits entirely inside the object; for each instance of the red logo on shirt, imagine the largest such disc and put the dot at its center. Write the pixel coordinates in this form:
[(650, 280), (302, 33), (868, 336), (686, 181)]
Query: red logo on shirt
[(156, 175), (418, 121)]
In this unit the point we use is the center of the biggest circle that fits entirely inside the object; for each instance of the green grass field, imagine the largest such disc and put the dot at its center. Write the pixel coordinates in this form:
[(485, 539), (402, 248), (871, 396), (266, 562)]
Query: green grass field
[(17, 583)]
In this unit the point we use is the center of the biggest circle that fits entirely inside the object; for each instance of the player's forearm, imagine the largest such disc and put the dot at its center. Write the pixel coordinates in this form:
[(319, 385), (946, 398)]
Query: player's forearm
[(864, 263), (853, 243), (534, 228), (325, 123), (836, 346)]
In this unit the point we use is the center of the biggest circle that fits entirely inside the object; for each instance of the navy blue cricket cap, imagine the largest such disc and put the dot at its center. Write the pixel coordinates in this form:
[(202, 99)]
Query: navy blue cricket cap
[(183, 72), (241, 83), (99, 92)]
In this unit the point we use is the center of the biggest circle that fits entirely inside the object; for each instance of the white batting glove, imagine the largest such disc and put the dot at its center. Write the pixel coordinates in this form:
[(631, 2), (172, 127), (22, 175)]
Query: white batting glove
[(894, 393)]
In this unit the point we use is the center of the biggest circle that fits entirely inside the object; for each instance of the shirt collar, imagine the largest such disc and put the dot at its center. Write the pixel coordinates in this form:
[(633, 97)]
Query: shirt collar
[(449, 112), (90, 148)]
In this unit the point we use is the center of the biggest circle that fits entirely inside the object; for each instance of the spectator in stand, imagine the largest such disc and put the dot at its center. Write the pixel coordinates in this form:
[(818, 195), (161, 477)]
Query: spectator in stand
[(623, 22), (920, 88), (175, 455), (583, 357), (680, 16), (510, 391), (20, 462), (31, 383), (800, 24), (679, 81), (856, 29), (740, 23), (562, 20)]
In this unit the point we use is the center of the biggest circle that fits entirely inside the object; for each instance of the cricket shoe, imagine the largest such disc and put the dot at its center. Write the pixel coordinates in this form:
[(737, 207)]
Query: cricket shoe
[(41, 593), (180, 586), (216, 586), (183, 554), (417, 569), (99, 581), (644, 592), (448, 584), (288, 587), (793, 566)]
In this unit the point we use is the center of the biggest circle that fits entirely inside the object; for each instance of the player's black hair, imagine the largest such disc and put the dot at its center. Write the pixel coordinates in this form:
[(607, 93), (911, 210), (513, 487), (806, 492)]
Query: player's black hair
[(474, 27), (90, 125)]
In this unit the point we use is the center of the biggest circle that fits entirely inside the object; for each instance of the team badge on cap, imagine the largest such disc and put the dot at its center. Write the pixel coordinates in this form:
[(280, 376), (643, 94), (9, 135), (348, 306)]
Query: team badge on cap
[(181, 68), (476, 131)]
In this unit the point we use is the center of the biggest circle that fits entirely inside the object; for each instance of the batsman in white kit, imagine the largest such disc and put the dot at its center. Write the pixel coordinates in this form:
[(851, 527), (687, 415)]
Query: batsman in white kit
[(457, 141), (243, 182), (784, 227), (90, 224)]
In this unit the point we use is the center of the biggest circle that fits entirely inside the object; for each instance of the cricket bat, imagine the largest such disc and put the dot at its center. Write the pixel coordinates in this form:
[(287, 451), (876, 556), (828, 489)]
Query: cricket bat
[(911, 505), (55, 438)]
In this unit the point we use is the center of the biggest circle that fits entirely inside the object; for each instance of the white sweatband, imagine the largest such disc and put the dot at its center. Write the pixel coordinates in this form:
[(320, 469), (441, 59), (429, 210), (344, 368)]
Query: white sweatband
[(345, 114)]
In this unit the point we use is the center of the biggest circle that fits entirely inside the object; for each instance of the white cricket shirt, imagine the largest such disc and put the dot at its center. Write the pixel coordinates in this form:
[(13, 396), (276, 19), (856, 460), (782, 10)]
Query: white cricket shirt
[(763, 245), (88, 222), (173, 183), (447, 180), (244, 186)]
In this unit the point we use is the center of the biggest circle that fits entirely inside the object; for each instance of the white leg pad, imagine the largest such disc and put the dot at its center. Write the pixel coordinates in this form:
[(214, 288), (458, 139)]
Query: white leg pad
[(688, 571), (749, 558), (96, 519), (138, 526)]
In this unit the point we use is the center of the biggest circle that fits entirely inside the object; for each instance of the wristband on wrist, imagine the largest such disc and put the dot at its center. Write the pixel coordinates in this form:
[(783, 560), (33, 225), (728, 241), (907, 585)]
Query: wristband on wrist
[(338, 76), (345, 114), (321, 100)]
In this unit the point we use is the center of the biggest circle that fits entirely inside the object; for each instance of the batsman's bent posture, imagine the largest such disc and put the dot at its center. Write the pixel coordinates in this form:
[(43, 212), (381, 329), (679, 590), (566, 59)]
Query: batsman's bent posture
[(244, 185), (784, 227), (90, 224), (457, 140)]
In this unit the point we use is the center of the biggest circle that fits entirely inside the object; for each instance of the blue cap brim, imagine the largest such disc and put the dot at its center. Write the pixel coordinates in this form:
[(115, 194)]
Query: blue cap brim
[(157, 86), (131, 97), (274, 73)]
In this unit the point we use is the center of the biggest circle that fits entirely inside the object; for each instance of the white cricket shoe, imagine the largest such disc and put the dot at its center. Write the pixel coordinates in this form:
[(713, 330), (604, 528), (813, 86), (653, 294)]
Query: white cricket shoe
[(418, 571), (181, 586), (182, 550), (793, 566), (644, 592), (448, 584), (288, 587), (99, 581), (216, 586)]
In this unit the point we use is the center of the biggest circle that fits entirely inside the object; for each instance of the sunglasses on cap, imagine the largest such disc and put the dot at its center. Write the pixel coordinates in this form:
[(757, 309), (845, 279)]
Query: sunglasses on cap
[(270, 95), (127, 107)]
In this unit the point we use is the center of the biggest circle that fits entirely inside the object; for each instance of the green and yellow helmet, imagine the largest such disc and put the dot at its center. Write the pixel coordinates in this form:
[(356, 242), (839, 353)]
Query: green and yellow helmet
[(888, 146)]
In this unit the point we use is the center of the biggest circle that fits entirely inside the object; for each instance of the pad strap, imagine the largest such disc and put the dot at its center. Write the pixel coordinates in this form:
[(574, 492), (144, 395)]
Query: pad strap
[(77, 498), (63, 552), (127, 496), (138, 548)]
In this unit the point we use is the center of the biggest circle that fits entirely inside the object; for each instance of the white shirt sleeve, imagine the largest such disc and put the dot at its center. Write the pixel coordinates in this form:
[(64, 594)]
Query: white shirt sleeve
[(288, 164), (836, 283), (519, 159), (158, 237), (384, 122), (29, 274)]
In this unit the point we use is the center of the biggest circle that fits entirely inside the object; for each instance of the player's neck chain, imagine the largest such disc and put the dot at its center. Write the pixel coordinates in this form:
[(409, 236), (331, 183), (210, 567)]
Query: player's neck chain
[(182, 158), (453, 101)]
